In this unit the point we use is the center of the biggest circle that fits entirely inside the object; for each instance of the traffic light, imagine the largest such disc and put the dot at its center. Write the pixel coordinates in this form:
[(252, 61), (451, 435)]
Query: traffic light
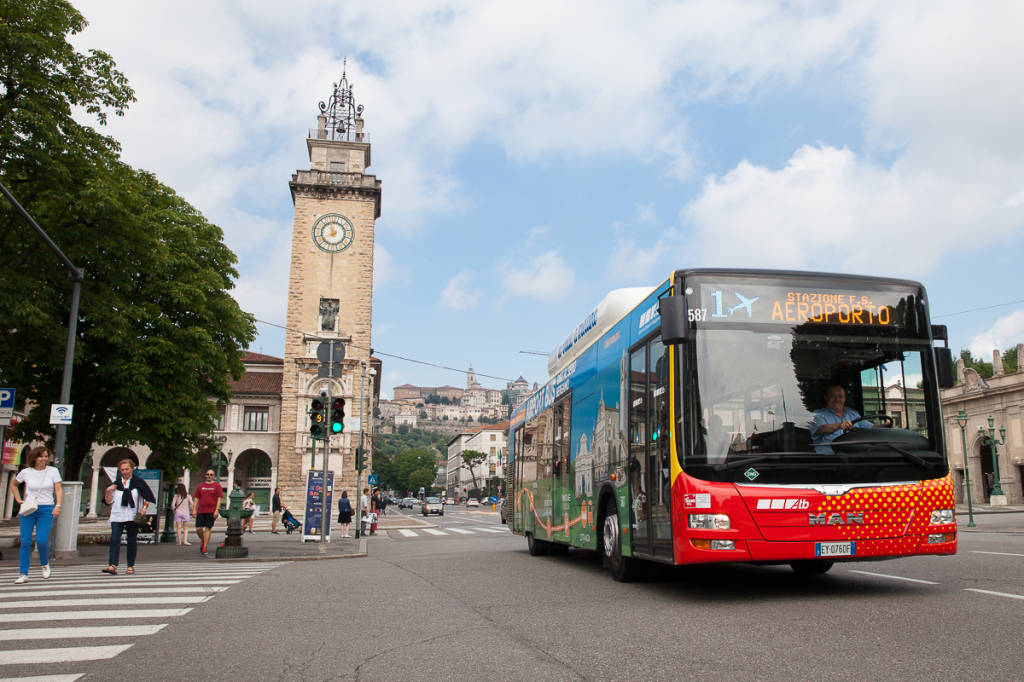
[(337, 415), (317, 428), (360, 459)]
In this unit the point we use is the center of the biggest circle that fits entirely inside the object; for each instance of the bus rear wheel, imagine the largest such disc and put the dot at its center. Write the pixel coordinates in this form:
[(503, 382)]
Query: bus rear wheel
[(622, 568), (811, 566), (536, 547)]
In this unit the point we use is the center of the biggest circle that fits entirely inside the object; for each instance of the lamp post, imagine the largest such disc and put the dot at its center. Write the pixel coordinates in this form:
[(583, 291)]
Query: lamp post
[(219, 461), (961, 420), (991, 436)]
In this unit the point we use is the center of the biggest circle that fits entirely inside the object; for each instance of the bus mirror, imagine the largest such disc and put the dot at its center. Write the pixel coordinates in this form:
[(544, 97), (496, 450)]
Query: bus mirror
[(674, 328), (944, 366)]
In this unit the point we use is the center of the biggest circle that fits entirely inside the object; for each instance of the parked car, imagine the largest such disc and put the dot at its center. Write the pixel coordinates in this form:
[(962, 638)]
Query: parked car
[(432, 505), (472, 502), (406, 503)]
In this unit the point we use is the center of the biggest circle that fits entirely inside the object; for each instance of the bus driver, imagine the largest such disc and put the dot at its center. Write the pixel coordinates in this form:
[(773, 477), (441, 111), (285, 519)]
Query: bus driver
[(834, 420)]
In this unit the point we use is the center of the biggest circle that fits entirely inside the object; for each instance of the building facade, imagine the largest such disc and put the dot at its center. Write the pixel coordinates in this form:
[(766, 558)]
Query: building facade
[(489, 440), (972, 452)]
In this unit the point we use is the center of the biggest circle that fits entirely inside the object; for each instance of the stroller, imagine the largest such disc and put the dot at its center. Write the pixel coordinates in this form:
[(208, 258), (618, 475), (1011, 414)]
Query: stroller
[(289, 521)]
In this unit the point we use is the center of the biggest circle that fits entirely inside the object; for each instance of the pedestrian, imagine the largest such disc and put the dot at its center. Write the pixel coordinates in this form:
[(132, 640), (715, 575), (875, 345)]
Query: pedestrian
[(364, 510), (43, 491), (275, 509), (128, 497), (344, 513), (182, 504), (374, 511), (383, 505), (208, 496), (249, 503)]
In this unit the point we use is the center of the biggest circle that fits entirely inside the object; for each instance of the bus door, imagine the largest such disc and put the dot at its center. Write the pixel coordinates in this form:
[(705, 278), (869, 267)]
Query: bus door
[(649, 482), (561, 493)]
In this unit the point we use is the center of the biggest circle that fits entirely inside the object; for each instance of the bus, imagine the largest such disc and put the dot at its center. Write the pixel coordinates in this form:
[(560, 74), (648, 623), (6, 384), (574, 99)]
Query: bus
[(686, 424)]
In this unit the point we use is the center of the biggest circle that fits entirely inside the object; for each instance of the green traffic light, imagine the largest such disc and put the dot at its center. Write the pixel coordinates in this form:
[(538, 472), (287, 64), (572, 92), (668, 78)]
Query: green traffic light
[(336, 427)]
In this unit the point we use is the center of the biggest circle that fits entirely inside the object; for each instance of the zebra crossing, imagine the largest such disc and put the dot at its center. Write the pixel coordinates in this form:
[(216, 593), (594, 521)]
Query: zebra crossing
[(447, 530), (81, 615)]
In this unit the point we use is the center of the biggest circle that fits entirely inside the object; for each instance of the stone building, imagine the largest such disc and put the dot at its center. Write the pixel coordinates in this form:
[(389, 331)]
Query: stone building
[(1002, 398), (491, 441)]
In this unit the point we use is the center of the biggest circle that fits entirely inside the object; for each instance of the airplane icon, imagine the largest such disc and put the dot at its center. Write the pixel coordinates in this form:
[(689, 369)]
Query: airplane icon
[(744, 303)]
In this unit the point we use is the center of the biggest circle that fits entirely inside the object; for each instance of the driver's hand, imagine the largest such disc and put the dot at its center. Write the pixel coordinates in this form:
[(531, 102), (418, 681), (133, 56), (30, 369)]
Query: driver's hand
[(846, 425)]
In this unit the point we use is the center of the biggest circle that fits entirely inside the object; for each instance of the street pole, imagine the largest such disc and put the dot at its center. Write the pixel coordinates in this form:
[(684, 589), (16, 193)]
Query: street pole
[(359, 471), (997, 489), (961, 420), (324, 511)]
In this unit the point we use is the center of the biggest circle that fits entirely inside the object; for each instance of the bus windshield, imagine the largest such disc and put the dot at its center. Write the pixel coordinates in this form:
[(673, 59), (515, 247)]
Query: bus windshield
[(759, 410)]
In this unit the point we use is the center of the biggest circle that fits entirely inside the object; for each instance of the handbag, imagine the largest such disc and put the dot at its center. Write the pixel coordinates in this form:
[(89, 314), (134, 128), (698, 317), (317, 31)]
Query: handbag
[(29, 504)]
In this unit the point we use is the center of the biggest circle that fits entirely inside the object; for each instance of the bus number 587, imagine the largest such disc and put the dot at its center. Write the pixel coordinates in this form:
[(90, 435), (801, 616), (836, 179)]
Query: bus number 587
[(697, 314)]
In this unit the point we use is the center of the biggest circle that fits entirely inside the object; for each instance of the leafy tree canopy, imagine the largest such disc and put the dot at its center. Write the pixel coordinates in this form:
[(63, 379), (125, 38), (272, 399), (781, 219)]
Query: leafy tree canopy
[(159, 336)]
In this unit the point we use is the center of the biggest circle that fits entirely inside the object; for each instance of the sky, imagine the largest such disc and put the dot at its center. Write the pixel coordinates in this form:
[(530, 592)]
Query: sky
[(536, 155)]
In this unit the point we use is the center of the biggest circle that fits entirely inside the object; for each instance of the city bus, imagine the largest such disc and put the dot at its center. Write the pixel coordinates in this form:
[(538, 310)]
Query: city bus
[(682, 424)]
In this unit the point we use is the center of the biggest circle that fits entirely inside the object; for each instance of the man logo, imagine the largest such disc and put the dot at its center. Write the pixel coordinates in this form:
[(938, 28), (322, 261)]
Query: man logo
[(836, 519)]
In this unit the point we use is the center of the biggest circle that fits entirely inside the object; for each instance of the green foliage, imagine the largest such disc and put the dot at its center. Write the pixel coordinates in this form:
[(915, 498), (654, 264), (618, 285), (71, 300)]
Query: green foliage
[(408, 460), (1010, 361), (472, 459), (983, 368), (159, 336)]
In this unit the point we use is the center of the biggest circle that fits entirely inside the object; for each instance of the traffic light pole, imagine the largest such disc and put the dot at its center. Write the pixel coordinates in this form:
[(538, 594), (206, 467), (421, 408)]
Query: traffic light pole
[(359, 454), (324, 511)]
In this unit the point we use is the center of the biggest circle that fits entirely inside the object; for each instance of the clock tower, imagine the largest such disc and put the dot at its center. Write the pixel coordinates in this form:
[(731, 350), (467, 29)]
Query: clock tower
[(330, 292)]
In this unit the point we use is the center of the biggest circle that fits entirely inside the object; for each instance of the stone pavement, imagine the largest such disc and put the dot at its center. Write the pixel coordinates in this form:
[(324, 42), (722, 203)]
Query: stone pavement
[(93, 536)]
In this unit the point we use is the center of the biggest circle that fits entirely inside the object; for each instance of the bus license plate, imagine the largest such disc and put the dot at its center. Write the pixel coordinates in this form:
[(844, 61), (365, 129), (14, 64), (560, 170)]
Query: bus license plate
[(835, 549)]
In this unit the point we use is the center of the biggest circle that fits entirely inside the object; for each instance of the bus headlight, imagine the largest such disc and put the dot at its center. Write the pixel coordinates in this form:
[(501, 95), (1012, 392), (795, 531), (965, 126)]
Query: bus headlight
[(942, 516), (709, 521)]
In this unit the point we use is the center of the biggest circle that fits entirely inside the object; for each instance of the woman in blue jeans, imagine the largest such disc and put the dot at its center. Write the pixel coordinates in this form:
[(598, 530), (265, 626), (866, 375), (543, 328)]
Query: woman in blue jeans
[(43, 483), (127, 496)]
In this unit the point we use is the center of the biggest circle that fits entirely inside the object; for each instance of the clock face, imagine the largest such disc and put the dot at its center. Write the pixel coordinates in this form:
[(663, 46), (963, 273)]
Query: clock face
[(333, 232)]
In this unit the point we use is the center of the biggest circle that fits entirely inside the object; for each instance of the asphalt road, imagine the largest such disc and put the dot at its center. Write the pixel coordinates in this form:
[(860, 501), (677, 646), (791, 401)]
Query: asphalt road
[(476, 606)]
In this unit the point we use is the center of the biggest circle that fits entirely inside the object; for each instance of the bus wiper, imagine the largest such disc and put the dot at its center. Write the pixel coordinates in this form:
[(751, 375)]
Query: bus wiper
[(747, 461)]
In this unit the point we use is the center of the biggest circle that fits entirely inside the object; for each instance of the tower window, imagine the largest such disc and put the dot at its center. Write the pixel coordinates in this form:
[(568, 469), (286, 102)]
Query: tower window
[(338, 166)]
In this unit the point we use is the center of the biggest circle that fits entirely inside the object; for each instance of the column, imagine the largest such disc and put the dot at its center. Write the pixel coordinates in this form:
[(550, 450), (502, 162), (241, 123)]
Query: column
[(93, 490), (273, 480)]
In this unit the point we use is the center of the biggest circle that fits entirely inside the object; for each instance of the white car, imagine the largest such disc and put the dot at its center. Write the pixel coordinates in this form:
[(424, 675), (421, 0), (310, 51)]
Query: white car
[(472, 502), (449, 500)]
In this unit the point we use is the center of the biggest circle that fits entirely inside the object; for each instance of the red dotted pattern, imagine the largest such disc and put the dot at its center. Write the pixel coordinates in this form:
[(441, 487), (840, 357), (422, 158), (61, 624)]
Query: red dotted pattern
[(897, 518)]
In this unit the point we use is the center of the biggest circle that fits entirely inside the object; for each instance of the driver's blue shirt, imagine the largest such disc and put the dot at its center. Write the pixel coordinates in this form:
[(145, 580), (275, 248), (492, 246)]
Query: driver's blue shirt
[(827, 415)]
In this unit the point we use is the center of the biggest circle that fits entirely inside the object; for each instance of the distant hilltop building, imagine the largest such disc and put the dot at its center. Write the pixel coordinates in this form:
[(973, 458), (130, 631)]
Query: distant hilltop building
[(415, 404)]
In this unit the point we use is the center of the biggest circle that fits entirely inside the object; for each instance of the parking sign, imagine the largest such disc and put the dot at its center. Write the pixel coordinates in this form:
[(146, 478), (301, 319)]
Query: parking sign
[(6, 403)]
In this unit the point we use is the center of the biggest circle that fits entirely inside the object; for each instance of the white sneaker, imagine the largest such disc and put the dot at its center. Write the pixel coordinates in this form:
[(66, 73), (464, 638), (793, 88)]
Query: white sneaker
[(21, 579), (46, 571)]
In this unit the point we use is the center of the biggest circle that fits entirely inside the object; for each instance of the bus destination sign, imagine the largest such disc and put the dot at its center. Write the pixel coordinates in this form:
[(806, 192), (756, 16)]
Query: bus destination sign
[(765, 303)]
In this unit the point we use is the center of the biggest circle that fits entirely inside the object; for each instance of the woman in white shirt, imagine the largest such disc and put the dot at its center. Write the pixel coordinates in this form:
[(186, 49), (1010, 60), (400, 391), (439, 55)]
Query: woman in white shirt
[(127, 496), (43, 483)]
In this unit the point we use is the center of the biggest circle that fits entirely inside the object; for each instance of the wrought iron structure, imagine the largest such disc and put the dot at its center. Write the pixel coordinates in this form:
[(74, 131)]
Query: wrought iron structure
[(341, 110)]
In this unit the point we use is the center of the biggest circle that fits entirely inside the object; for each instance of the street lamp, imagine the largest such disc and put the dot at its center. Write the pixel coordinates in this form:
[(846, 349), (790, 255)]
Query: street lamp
[(961, 420), (991, 436)]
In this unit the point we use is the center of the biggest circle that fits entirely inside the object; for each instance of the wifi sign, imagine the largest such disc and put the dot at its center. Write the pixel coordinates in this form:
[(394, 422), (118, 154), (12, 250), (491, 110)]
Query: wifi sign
[(61, 414)]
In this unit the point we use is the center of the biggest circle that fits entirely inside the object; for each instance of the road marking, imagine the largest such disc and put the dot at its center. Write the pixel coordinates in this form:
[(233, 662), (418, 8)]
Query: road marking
[(127, 589), (489, 530), (61, 655), (978, 551), (996, 594), (45, 678), (81, 632), (896, 577), (463, 531), (408, 533), (38, 586), (111, 614), (434, 531), (128, 601)]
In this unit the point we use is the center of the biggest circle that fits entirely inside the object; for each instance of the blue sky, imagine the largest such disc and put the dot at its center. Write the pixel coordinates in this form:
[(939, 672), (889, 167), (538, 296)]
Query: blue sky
[(535, 156)]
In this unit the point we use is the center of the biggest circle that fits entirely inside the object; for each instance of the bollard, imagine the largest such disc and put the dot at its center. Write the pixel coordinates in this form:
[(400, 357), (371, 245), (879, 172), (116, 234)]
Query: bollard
[(65, 530), (233, 547)]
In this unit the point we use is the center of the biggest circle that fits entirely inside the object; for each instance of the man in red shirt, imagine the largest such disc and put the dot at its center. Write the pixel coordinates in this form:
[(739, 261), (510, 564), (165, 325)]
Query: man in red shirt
[(207, 497)]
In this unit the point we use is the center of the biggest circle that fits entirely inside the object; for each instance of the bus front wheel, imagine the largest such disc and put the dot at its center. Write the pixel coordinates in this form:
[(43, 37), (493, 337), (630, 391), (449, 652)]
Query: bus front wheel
[(811, 566), (621, 567), (535, 546)]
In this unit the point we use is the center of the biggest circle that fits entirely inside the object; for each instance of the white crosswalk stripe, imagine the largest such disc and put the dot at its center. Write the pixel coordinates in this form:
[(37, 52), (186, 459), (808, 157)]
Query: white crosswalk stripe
[(112, 605), (447, 530)]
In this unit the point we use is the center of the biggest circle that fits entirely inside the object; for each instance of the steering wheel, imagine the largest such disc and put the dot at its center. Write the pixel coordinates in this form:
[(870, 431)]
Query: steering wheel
[(881, 416)]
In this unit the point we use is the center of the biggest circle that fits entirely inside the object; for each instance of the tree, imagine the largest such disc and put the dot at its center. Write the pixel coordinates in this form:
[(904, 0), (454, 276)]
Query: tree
[(984, 369), (159, 336), (472, 458)]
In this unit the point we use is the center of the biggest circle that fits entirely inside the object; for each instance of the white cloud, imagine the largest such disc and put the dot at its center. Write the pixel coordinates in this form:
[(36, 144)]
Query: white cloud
[(546, 278), (829, 209), (631, 265), (459, 294), (1005, 334), (536, 235), (385, 270)]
